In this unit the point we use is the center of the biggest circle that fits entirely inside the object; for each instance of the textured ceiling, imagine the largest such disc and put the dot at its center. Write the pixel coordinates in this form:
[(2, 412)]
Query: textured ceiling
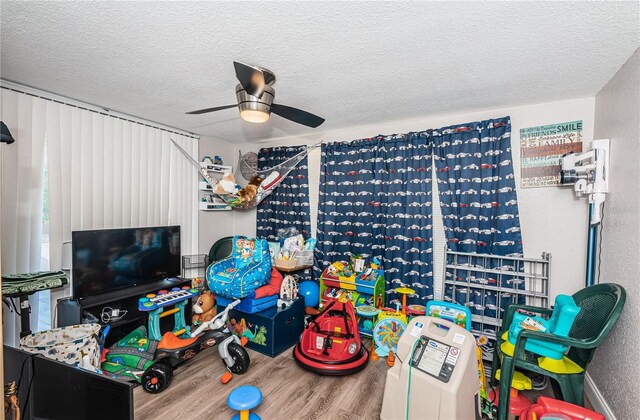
[(353, 63)]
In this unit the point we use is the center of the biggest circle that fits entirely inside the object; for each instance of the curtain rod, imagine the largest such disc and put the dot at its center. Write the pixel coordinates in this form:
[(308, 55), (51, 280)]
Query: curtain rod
[(64, 100)]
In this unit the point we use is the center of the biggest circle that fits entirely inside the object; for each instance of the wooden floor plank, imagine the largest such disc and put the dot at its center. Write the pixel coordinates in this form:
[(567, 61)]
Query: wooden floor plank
[(289, 392)]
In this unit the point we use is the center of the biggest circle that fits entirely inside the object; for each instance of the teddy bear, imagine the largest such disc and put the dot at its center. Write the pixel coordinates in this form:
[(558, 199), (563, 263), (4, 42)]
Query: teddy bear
[(204, 309), (250, 190)]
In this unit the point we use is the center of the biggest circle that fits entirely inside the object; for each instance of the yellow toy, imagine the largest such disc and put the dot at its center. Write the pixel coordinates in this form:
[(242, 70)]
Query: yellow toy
[(404, 291), (481, 341), (517, 401)]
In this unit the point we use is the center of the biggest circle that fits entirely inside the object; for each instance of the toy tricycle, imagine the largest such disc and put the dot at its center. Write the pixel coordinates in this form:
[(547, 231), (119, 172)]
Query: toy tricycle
[(151, 362)]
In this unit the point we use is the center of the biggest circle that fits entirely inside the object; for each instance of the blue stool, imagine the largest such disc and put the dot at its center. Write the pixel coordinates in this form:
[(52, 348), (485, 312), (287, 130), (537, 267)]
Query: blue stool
[(243, 399)]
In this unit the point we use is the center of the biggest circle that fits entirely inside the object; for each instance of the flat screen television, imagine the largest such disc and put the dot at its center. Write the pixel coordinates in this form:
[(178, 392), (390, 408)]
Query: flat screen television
[(111, 259)]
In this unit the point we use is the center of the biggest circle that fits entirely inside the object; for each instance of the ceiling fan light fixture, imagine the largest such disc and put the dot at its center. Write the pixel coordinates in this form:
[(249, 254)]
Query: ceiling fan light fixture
[(254, 116), (255, 96), (253, 109)]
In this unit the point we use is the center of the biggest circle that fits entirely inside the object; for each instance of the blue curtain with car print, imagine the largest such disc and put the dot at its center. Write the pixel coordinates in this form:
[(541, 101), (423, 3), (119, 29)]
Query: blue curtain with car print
[(375, 201), (479, 206), (288, 205)]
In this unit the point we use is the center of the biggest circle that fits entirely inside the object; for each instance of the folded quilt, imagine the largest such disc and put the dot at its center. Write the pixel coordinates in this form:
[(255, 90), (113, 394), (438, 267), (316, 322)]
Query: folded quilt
[(26, 283)]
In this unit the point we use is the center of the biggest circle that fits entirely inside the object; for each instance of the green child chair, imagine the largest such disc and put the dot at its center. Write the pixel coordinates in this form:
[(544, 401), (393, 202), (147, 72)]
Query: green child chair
[(600, 306), (221, 249)]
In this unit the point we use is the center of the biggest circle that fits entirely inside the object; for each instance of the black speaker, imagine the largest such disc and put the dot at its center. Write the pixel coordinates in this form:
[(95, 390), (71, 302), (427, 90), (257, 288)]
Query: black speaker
[(69, 312)]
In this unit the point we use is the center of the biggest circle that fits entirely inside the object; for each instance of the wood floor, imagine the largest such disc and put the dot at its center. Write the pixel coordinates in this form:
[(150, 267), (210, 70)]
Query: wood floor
[(288, 391)]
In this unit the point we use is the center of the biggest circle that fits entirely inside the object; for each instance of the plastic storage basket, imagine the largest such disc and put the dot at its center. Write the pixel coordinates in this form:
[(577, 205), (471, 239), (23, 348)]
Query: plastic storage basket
[(304, 258)]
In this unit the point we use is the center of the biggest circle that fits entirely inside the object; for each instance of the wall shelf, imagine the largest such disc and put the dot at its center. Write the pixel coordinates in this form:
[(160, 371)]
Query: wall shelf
[(206, 206), (204, 186), (211, 201), (220, 169)]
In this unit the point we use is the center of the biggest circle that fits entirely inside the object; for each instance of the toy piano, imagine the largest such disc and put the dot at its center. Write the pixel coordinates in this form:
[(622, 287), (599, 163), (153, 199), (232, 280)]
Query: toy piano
[(154, 303), (164, 298)]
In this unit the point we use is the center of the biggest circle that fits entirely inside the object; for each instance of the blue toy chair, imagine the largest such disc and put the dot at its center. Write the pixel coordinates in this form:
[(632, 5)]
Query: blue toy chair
[(559, 323), (243, 399), (243, 271)]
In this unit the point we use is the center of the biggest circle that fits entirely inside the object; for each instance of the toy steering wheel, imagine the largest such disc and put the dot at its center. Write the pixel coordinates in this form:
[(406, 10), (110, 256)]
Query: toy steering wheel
[(386, 335)]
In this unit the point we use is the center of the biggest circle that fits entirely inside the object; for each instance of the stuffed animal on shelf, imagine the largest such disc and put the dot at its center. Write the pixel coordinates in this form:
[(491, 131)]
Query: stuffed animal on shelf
[(250, 190), (204, 309), (227, 185)]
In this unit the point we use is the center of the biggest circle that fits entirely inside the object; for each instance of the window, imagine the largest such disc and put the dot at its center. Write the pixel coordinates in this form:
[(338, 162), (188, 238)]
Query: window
[(44, 297)]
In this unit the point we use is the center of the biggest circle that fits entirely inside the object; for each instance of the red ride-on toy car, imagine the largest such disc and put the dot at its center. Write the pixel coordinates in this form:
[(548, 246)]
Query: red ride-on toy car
[(331, 344)]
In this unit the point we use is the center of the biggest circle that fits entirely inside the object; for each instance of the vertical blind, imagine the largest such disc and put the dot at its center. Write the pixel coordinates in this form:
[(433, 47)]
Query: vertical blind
[(103, 172), (21, 200), (106, 172)]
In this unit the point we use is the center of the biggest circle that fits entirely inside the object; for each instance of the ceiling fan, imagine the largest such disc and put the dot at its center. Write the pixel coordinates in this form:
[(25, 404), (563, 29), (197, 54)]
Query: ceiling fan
[(255, 98)]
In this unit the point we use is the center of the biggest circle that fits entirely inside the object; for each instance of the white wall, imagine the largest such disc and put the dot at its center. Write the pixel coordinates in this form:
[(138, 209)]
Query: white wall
[(214, 225), (552, 219), (615, 365)]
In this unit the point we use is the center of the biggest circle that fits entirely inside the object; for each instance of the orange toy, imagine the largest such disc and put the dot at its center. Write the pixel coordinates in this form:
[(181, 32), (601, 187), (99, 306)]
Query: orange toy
[(391, 359)]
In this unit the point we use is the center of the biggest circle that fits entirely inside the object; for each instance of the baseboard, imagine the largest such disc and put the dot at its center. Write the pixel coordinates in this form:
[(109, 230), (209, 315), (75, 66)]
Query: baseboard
[(596, 398)]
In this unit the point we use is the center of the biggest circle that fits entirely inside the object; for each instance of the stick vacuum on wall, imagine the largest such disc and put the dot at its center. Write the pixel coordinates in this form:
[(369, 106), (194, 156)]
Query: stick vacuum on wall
[(589, 174)]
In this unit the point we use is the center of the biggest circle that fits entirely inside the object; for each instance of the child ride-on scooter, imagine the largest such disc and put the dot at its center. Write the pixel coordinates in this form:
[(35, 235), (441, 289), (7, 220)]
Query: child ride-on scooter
[(151, 362), (173, 350)]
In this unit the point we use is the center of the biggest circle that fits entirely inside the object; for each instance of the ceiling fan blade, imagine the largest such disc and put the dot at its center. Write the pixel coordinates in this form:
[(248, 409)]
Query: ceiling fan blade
[(297, 115), (218, 108), (251, 78)]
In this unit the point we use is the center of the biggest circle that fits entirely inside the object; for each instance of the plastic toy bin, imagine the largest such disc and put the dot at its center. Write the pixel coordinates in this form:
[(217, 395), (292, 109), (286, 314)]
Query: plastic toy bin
[(304, 258), (271, 331)]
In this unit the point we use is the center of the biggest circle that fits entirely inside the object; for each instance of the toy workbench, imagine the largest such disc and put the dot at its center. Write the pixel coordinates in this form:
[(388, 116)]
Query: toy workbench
[(366, 288)]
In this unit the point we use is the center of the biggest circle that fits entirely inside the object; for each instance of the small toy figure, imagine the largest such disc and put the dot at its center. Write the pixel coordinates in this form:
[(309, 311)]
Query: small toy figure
[(357, 263), (261, 336), (204, 309)]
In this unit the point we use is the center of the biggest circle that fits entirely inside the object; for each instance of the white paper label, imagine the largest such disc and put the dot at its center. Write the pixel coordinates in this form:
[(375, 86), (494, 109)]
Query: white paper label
[(458, 338), (433, 357), (319, 342), (417, 329), (452, 357)]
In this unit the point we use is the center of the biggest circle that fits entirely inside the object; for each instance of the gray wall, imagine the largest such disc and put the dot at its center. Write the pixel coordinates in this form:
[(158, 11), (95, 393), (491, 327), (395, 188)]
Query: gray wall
[(614, 369)]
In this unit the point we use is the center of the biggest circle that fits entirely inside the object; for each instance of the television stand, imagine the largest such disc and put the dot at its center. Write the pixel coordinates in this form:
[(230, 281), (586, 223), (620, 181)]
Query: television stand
[(71, 311)]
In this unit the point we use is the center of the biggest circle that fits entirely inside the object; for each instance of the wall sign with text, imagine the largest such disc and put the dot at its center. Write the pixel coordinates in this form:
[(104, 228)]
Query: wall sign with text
[(542, 147)]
